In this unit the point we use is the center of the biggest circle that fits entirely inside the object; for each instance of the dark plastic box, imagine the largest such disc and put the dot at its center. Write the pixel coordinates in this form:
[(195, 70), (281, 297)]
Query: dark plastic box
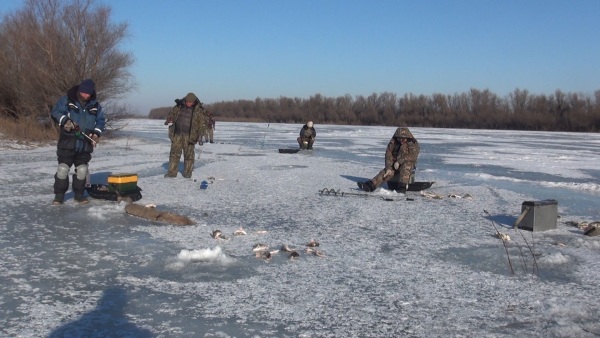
[(540, 215)]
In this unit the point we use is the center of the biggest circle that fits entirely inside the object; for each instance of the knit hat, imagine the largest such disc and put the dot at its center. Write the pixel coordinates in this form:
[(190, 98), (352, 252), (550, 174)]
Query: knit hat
[(190, 97), (87, 86)]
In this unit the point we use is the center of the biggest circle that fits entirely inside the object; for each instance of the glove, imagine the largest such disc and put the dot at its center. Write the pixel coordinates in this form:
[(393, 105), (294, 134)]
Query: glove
[(397, 164), (93, 138), (69, 125), (169, 122)]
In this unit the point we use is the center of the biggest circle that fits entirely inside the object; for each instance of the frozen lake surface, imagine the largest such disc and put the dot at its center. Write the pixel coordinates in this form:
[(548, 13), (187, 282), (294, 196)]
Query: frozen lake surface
[(422, 267)]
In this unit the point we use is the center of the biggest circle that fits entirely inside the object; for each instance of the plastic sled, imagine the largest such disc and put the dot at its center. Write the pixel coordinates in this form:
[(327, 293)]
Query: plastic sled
[(289, 151), (100, 191)]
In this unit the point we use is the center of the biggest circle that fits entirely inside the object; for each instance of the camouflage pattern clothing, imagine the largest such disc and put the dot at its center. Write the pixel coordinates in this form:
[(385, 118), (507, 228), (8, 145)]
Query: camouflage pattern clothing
[(307, 134), (186, 127), (210, 128), (400, 159)]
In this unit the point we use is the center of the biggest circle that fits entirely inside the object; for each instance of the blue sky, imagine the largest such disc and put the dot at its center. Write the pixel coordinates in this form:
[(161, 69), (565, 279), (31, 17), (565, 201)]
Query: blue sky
[(228, 50)]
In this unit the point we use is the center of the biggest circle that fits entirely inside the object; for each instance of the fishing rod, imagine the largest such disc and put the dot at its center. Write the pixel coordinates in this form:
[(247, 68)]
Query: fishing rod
[(264, 136), (78, 132), (89, 138), (339, 193)]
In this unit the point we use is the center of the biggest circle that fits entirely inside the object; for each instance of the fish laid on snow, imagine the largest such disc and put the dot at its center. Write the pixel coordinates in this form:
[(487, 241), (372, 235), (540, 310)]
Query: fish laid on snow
[(312, 243), (428, 194), (260, 247), (592, 229), (264, 254), (465, 196), (217, 234), (594, 224), (286, 248), (239, 232), (503, 237), (583, 225), (588, 225), (589, 228), (315, 252)]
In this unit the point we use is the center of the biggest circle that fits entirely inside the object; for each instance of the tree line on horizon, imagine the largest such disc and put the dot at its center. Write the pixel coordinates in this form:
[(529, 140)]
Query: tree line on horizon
[(476, 109)]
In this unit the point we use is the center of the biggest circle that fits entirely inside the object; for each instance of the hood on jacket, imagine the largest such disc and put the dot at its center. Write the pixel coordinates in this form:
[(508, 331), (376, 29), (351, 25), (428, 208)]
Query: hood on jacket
[(403, 132)]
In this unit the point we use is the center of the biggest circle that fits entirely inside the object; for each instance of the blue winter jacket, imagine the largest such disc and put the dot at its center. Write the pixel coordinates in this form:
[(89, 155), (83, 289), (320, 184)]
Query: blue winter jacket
[(89, 119)]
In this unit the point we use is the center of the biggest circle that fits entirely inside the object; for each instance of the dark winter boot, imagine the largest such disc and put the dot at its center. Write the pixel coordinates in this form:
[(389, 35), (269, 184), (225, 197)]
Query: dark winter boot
[(78, 189), (172, 169), (310, 143), (188, 167), (60, 188), (61, 185), (81, 199), (401, 188), (58, 199), (367, 186)]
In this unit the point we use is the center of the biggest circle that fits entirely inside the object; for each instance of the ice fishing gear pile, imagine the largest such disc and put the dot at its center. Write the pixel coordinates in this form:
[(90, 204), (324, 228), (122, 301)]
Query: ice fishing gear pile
[(119, 185), (339, 193)]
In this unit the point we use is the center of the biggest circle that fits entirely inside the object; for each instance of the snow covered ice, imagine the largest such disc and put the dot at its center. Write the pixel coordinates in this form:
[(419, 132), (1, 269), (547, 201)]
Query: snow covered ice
[(415, 268)]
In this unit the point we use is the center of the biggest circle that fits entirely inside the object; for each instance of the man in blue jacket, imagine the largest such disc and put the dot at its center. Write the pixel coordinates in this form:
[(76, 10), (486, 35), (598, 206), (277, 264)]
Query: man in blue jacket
[(81, 121)]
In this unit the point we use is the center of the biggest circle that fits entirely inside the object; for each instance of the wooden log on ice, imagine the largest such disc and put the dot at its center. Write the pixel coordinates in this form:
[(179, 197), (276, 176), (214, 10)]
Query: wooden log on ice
[(152, 214)]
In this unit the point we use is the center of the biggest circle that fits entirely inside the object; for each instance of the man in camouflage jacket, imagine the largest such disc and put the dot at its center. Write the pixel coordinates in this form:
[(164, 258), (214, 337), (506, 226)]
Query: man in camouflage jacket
[(210, 119), (187, 122), (400, 158), (307, 136)]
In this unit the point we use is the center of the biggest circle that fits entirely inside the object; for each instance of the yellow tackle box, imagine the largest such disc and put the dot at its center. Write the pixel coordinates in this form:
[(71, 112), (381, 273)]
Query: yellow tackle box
[(123, 183)]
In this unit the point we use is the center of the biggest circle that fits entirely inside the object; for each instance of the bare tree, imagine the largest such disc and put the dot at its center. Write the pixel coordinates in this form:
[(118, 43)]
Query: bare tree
[(49, 46), (386, 107), (518, 100)]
